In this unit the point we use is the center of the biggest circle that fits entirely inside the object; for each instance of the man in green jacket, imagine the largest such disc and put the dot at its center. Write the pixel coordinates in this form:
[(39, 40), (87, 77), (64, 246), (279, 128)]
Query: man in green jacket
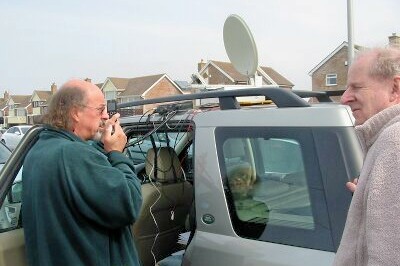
[(79, 202)]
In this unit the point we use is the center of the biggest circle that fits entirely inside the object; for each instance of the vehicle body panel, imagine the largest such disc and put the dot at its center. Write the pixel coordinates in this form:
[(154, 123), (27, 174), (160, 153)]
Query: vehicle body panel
[(239, 252)]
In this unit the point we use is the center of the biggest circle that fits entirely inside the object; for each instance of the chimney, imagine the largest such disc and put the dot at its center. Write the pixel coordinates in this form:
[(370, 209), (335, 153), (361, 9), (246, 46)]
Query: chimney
[(200, 65), (6, 95), (53, 88), (394, 40), (88, 80)]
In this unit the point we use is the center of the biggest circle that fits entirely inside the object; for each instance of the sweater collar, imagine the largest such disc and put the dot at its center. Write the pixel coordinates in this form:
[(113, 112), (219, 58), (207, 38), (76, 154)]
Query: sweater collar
[(49, 130), (371, 129)]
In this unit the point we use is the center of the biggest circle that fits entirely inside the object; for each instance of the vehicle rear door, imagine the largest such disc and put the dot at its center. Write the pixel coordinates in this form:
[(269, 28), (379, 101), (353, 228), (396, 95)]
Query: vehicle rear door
[(270, 186)]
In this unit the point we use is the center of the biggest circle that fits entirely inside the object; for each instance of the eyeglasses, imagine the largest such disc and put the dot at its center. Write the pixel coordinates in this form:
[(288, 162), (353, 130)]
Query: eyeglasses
[(99, 110)]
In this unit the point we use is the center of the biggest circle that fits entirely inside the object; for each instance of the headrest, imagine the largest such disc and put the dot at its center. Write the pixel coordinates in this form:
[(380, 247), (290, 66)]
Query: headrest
[(240, 179), (168, 165), (242, 172)]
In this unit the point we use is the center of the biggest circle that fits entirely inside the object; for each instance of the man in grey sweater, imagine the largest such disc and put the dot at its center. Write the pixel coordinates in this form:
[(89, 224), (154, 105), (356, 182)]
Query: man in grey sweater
[(372, 232)]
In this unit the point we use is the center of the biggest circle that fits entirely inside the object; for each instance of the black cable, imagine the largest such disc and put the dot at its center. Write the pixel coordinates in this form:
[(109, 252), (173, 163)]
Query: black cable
[(150, 132)]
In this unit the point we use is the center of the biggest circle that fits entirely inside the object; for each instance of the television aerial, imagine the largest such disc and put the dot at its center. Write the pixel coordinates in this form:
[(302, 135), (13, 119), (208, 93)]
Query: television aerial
[(241, 47)]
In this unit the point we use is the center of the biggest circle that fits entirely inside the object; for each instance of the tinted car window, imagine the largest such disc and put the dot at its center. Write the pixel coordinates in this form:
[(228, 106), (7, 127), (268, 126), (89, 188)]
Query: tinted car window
[(274, 191)]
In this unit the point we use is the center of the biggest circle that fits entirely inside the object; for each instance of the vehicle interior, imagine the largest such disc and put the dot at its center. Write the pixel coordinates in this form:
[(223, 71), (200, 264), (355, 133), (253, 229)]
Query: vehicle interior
[(162, 153)]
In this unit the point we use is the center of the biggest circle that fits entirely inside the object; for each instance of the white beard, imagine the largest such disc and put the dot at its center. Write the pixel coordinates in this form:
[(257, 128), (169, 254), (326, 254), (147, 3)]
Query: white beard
[(98, 136)]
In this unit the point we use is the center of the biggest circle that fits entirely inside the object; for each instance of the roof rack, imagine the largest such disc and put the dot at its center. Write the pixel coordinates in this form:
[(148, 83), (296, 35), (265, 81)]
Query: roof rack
[(227, 98)]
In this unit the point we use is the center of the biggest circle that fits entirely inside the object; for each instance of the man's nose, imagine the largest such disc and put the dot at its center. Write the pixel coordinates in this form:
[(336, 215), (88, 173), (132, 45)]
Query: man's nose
[(347, 97), (105, 115)]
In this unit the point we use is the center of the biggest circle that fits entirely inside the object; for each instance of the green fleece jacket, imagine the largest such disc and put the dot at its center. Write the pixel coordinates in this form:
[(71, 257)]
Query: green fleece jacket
[(78, 203)]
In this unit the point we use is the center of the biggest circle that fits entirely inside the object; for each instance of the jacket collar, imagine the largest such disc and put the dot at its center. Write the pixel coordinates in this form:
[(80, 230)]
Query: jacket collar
[(52, 131)]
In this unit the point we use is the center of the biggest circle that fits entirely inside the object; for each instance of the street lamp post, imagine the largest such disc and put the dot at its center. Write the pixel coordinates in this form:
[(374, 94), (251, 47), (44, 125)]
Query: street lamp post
[(350, 49)]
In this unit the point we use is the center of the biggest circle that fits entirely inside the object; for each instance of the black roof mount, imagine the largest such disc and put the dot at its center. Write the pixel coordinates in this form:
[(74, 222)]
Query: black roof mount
[(227, 98)]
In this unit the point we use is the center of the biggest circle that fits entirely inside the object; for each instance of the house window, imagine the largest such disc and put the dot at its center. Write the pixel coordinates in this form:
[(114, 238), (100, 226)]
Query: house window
[(110, 95), (20, 112), (331, 79)]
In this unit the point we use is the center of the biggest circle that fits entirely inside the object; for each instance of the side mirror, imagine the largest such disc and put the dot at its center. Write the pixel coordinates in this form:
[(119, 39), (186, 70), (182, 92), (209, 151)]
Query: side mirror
[(17, 133)]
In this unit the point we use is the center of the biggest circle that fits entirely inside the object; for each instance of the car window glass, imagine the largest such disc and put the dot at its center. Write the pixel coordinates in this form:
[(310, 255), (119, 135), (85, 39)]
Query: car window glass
[(10, 211), (274, 191)]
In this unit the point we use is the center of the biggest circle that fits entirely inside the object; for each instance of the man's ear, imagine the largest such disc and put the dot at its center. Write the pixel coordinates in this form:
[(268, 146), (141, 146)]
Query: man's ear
[(396, 89), (75, 114)]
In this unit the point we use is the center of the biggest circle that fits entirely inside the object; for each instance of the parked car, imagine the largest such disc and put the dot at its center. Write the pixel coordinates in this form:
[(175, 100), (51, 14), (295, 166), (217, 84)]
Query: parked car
[(13, 135), (260, 185)]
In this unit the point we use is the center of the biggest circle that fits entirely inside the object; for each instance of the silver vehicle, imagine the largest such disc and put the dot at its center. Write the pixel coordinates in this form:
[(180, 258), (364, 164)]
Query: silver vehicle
[(13, 135), (258, 185)]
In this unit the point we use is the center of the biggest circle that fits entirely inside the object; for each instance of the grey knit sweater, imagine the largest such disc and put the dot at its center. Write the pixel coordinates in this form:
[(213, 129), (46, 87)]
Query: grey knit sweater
[(372, 232)]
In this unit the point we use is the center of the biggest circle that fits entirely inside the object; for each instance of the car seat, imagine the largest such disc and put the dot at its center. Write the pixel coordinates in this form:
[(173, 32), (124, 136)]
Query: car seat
[(166, 202)]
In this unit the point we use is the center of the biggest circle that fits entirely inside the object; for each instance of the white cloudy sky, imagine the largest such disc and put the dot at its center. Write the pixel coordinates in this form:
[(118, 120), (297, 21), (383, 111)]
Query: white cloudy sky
[(51, 41)]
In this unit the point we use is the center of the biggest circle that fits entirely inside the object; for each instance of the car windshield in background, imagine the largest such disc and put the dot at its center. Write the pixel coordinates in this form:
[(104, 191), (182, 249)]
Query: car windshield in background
[(25, 129)]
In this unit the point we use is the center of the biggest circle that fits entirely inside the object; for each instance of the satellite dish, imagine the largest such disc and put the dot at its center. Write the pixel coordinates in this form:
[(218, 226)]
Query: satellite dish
[(240, 46)]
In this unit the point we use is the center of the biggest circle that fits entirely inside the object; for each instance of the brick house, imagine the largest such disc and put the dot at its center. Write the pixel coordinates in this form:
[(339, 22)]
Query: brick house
[(3, 109), (131, 89), (223, 73), (331, 72), (19, 106), (40, 100)]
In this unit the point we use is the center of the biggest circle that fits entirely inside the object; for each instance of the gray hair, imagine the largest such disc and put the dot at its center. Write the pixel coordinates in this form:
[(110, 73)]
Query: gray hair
[(62, 102), (386, 62)]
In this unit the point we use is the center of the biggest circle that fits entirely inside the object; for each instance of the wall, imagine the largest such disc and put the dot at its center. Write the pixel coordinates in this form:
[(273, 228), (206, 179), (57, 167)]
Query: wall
[(335, 65), (163, 88)]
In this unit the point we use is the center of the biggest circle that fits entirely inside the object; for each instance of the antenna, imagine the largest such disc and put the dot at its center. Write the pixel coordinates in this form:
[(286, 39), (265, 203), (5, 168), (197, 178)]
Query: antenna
[(240, 46)]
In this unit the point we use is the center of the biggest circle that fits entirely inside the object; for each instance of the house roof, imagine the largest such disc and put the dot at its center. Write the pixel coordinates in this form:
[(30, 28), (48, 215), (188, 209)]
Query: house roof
[(183, 85), (235, 76), (3, 103), (43, 95), (357, 48), (135, 86), (275, 76), (21, 100), (229, 69)]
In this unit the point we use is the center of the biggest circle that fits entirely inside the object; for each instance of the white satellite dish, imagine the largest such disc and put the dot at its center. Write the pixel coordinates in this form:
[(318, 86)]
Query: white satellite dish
[(240, 46)]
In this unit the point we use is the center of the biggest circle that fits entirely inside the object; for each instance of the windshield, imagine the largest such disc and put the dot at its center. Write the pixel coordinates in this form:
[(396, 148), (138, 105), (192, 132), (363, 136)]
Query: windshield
[(24, 129)]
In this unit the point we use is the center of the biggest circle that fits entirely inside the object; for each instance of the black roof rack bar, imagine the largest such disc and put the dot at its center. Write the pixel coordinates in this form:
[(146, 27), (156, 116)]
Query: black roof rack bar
[(227, 98), (322, 96), (335, 92)]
